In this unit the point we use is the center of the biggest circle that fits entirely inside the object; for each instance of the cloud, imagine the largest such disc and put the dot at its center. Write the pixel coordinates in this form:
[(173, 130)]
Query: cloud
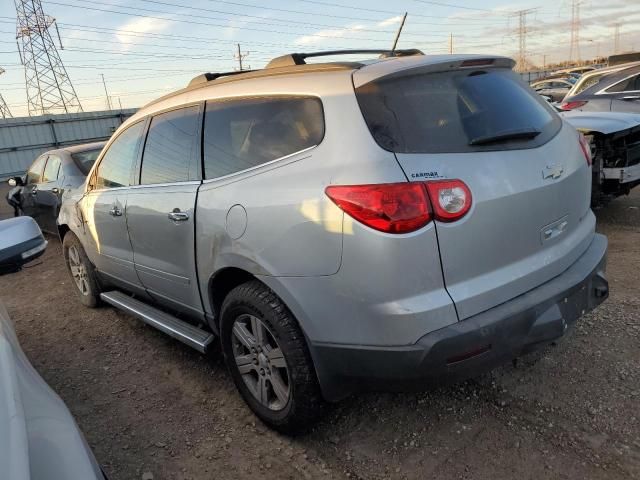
[(139, 25), (327, 35), (390, 21)]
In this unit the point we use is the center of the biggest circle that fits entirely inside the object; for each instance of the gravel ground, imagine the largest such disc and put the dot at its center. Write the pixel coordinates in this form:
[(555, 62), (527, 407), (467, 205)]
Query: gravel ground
[(152, 408)]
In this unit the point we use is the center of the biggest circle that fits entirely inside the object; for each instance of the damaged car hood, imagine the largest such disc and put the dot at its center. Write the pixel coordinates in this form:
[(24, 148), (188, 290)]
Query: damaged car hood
[(602, 122)]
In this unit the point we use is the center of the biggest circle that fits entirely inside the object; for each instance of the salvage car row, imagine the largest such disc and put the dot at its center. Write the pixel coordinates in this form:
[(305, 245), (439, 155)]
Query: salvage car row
[(234, 211)]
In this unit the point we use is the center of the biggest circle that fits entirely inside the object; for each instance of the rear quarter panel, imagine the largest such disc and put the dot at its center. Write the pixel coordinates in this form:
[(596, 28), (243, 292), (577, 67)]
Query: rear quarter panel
[(292, 228)]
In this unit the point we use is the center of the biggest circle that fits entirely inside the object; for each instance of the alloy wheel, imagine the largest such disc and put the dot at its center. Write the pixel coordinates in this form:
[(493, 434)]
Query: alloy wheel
[(78, 270), (260, 361)]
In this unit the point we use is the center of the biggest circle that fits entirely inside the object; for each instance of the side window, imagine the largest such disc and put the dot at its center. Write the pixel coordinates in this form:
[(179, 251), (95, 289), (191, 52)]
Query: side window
[(51, 170), (170, 143), (34, 175), (116, 164), (240, 134)]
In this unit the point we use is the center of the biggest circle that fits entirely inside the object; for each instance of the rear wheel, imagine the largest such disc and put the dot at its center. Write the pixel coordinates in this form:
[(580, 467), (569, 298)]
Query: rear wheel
[(81, 270), (269, 359)]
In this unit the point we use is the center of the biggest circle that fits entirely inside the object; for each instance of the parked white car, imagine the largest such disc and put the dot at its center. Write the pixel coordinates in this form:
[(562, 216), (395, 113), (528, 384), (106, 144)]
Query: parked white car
[(39, 439)]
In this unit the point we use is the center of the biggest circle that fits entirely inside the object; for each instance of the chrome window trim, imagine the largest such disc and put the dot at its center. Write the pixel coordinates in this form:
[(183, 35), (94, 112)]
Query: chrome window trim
[(262, 165), (166, 184), (604, 90)]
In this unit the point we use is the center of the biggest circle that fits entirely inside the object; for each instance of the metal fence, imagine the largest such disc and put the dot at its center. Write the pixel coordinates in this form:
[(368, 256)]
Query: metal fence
[(23, 139)]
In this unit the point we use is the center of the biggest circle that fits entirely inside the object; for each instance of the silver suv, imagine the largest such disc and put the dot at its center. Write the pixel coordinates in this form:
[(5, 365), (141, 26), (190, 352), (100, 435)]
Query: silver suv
[(384, 224)]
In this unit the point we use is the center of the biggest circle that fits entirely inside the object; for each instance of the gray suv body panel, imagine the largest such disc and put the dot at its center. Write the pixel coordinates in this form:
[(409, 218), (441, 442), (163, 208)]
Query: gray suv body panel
[(346, 283)]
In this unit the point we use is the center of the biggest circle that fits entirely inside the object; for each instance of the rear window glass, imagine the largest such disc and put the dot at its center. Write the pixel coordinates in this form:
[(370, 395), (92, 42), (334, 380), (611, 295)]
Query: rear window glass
[(244, 133), (456, 111), (585, 83), (85, 160)]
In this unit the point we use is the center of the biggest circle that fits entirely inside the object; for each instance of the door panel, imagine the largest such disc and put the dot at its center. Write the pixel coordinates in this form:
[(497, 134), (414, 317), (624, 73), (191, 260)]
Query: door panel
[(109, 247), (626, 102), (104, 208), (47, 200), (164, 247), (30, 190), (160, 210)]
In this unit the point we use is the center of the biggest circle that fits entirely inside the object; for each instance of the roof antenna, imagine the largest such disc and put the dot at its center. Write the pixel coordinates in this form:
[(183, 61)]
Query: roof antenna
[(395, 42)]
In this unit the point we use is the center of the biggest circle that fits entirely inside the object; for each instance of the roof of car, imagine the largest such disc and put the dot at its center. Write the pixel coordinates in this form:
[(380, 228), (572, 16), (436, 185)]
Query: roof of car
[(375, 67), (84, 147)]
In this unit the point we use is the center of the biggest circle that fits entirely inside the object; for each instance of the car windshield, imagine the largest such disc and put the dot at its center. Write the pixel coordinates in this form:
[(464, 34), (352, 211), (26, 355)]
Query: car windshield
[(455, 111), (85, 160)]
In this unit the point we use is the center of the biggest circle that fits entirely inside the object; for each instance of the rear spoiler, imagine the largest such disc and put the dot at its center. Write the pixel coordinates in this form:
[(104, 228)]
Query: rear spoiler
[(401, 66)]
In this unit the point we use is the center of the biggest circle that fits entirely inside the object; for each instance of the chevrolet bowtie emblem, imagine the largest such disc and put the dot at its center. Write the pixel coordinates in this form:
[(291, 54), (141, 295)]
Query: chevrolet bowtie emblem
[(552, 171)]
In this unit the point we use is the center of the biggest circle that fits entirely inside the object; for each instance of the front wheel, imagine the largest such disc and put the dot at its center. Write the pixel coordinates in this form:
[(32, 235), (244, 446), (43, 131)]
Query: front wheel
[(81, 270), (268, 358)]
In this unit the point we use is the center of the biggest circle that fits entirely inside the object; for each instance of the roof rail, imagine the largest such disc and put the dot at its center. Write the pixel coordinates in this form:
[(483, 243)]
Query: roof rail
[(299, 58), (207, 77)]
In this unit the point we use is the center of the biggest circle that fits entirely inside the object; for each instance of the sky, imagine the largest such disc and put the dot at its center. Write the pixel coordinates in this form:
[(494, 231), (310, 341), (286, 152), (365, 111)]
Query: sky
[(146, 48)]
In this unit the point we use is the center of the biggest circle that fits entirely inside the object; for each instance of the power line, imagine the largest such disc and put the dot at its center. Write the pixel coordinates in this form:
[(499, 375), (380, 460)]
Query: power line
[(4, 109), (343, 17), (522, 64), (240, 57), (439, 4), (49, 89), (327, 4), (574, 48), (194, 22)]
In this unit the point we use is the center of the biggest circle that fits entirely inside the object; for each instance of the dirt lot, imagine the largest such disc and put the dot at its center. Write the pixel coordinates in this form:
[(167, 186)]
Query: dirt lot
[(148, 404)]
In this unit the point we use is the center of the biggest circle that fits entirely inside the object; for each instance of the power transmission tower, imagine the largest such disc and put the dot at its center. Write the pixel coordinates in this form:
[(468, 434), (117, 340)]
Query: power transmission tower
[(49, 89), (4, 109), (574, 49), (240, 57), (616, 38), (522, 64)]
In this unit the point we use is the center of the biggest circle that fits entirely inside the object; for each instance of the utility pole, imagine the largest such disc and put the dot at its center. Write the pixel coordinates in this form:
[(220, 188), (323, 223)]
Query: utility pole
[(395, 42), (522, 64), (616, 38), (451, 44), (574, 49), (106, 92), (4, 108), (544, 62), (49, 89), (240, 56)]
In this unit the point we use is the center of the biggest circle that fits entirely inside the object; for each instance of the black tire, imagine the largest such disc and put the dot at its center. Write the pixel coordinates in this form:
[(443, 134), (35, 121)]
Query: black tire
[(304, 404), (90, 293)]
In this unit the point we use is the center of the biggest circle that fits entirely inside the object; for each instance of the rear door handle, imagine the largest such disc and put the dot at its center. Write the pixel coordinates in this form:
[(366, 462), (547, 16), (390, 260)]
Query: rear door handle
[(178, 216), (115, 211), (631, 97)]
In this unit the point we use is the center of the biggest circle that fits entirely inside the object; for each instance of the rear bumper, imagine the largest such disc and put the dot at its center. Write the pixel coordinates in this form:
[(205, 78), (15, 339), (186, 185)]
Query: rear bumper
[(474, 345)]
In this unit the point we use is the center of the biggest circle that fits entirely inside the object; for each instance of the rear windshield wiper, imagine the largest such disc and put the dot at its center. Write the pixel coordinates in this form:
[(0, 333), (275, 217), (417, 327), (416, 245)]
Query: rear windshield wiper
[(506, 135)]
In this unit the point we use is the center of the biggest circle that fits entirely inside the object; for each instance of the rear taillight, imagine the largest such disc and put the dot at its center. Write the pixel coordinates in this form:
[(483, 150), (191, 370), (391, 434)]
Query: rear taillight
[(585, 147), (402, 207), (388, 207), (572, 105), (451, 199)]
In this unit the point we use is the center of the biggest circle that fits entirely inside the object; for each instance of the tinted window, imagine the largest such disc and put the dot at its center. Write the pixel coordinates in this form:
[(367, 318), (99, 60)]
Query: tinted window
[(169, 147), (585, 83), (85, 160), (35, 171), (628, 85), (116, 164), (455, 111), (240, 134), (52, 169)]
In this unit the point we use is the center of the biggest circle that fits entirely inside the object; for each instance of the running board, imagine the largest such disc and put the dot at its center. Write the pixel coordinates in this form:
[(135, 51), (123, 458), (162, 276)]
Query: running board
[(180, 330)]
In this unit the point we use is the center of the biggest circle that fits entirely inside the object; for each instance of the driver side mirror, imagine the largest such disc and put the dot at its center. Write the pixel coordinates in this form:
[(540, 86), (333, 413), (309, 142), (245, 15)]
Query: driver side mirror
[(21, 241), (15, 182)]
